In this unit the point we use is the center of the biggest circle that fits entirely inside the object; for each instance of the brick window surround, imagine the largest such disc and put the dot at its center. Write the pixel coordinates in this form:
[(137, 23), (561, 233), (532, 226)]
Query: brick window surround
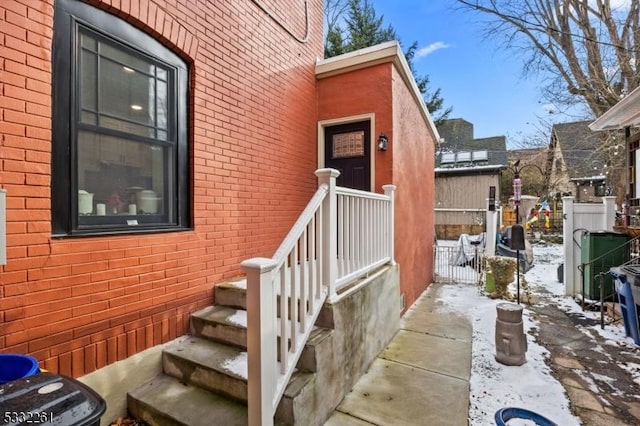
[(120, 139)]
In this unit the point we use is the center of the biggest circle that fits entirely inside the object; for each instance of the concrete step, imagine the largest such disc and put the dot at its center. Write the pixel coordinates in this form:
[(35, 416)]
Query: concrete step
[(210, 365), (308, 361), (298, 399), (165, 401), (232, 293), (315, 389), (221, 324)]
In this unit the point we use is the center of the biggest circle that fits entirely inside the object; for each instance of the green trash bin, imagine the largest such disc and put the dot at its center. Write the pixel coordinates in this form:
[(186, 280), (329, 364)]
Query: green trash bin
[(599, 252)]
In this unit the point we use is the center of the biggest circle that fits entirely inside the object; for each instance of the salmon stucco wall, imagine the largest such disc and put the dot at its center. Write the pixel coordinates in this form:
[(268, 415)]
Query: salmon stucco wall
[(78, 304), (408, 163), (365, 91), (413, 149)]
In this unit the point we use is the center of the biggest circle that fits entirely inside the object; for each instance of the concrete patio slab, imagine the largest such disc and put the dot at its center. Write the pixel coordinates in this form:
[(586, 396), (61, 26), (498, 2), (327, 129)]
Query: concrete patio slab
[(443, 324), (340, 419), (427, 352), (397, 394)]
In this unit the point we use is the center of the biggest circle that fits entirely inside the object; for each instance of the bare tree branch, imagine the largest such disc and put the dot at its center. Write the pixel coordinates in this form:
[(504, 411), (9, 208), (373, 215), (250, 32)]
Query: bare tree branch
[(593, 49)]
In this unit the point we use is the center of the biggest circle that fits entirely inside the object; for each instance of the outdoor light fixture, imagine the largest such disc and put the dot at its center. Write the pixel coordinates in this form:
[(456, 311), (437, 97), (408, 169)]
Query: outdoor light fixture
[(383, 142)]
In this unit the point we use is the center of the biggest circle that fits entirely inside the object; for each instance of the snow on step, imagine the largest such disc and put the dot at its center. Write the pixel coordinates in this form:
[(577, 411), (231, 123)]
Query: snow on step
[(210, 365), (164, 400), (222, 324)]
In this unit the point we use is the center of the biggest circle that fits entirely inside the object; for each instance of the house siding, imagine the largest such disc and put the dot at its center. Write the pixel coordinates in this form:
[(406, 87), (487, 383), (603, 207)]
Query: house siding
[(464, 192), (78, 304)]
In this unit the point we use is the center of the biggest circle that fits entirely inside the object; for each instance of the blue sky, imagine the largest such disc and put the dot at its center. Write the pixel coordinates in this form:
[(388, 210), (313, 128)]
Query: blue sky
[(482, 83)]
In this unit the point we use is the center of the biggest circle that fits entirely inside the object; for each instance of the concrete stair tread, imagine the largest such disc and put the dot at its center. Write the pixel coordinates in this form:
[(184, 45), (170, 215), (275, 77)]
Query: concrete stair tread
[(166, 401), (212, 355), (223, 315), (239, 283), (296, 384), (232, 293)]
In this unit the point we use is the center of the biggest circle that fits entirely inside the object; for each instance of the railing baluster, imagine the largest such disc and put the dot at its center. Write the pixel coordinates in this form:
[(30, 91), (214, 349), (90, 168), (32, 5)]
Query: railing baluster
[(284, 315), (303, 281), (321, 260), (341, 227), (293, 298), (314, 266), (352, 252)]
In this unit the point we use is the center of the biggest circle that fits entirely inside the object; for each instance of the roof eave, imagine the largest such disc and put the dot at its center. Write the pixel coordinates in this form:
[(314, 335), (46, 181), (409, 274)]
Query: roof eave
[(374, 55), (625, 113)]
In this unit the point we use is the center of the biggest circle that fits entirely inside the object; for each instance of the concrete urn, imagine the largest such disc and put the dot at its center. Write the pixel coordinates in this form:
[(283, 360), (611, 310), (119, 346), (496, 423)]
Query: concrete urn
[(511, 342)]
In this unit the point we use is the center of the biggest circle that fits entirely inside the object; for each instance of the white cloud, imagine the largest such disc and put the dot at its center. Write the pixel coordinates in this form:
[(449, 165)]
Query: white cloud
[(549, 108), (427, 50)]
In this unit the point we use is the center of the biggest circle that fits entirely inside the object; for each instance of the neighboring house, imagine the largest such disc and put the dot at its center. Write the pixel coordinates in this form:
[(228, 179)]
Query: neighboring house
[(466, 170), (576, 163), (625, 115), (531, 170), (149, 147)]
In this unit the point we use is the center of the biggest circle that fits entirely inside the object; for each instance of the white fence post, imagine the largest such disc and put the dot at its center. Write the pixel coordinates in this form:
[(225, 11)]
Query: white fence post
[(261, 340), (567, 238), (490, 237), (329, 229), (609, 202), (389, 191)]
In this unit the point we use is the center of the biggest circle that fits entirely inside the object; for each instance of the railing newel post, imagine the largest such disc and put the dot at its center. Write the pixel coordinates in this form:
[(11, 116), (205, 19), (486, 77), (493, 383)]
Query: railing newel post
[(389, 191), (329, 228), (261, 335)]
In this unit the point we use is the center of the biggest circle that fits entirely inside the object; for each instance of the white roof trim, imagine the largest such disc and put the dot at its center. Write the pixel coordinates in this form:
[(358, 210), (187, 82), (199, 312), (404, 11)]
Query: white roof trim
[(625, 113), (491, 167), (374, 55)]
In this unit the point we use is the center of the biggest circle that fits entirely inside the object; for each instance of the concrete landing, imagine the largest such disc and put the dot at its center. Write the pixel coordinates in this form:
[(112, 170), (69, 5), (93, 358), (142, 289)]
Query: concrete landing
[(421, 378)]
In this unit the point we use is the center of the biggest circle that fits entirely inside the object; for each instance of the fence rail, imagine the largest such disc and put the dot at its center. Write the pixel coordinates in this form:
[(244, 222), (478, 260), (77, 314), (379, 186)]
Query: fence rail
[(454, 264), (340, 236)]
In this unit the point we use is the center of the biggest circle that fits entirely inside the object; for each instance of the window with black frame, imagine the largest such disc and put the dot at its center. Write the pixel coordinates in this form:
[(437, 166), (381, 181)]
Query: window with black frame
[(120, 140)]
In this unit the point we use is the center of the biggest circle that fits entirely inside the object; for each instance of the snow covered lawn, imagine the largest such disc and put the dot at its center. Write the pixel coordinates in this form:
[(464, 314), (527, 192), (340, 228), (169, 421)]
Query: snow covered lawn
[(531, 385)]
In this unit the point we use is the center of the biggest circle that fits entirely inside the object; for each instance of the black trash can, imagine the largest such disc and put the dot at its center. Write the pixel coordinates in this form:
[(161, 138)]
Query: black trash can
[(560, 272), (47, 398)]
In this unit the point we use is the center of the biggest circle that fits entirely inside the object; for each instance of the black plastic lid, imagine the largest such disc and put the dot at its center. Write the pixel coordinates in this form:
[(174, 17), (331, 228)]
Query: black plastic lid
[(47, 398)]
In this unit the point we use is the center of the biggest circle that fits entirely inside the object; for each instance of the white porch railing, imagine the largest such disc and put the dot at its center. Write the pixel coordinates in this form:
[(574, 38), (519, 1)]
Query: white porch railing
[(340, 236)]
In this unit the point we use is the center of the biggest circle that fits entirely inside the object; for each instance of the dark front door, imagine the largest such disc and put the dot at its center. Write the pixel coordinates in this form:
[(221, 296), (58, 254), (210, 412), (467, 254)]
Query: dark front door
[(347, 148)]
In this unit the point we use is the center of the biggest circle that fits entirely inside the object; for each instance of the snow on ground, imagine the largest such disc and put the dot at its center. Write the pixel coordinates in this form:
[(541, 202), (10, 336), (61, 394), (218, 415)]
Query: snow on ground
[(493, 385)]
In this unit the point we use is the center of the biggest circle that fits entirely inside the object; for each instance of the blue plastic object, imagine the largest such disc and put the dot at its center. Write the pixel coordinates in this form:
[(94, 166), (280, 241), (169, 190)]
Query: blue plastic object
[(503, 415), (627, 304), (15, 366)]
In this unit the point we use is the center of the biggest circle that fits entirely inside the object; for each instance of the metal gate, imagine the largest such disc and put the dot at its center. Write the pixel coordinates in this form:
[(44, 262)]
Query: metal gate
[(452, 266)]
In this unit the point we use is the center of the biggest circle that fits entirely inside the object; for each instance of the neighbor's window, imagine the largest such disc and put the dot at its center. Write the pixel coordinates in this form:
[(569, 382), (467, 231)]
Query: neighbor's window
[(120, 149)]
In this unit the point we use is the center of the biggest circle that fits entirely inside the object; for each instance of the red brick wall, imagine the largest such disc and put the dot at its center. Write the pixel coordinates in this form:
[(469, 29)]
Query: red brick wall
[(413, 172), (408, 163), (78, 304)]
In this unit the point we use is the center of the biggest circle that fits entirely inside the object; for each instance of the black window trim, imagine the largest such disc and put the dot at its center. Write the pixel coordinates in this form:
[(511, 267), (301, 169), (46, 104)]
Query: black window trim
[(68, 15)]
